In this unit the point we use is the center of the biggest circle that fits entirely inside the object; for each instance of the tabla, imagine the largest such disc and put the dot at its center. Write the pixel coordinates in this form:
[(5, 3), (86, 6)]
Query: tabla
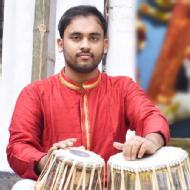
[(167, 169), (72, 169)]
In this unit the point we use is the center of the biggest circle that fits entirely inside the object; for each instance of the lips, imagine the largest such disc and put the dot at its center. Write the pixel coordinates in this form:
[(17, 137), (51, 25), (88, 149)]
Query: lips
[(85, 55)]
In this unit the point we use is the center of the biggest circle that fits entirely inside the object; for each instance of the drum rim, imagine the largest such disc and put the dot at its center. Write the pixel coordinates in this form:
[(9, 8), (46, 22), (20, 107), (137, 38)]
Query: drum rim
[(94, 160), (116, 165)]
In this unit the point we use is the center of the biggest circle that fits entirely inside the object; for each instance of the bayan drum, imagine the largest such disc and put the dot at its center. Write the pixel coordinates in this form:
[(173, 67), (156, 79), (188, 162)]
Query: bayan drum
[(72, 169), (167, 169)]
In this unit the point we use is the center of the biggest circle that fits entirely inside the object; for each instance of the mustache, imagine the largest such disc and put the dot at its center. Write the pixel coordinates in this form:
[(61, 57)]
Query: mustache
[(85, 54)]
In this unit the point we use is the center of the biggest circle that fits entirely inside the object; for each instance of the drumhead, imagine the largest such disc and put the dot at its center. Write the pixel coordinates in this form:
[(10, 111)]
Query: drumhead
[(166, 156), (80, 157)]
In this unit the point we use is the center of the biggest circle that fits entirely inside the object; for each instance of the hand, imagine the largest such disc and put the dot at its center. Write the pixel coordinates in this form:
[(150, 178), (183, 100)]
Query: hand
[(63, 144), (136, 146), (59, 145)]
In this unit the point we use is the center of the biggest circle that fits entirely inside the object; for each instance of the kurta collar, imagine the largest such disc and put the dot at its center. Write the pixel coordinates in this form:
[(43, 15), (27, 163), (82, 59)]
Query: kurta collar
[(74, 86)]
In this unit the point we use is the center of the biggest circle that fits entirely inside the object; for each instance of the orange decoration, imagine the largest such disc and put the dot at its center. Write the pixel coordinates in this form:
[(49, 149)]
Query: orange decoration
[(176, 48)]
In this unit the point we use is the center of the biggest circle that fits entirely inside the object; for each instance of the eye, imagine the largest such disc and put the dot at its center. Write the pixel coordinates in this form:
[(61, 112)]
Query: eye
[(94, 38), (76, 38)]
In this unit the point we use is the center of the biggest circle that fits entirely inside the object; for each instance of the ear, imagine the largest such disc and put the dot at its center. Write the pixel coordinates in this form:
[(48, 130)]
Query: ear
[(60, 44), (105, 45)]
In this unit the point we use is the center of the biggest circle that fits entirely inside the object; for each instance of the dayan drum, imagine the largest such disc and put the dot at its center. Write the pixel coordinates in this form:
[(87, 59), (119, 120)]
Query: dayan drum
[(72, 169), (167, 169)]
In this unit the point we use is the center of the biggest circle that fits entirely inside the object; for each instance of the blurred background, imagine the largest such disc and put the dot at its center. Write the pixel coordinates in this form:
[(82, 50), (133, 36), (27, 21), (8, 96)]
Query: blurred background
[(163, 59)]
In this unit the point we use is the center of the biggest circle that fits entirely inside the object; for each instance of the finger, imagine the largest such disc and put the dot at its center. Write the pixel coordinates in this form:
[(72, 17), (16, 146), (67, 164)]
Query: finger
[(118, 145), (127, 151), (81, 147), (148, 147), (69, 142), (71, 139), (65, 143), (142, 150), (135, 149), (132, 147)]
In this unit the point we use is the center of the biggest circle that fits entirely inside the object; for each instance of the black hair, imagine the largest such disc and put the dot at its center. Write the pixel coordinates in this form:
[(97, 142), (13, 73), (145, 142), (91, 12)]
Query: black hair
[(82, 10)]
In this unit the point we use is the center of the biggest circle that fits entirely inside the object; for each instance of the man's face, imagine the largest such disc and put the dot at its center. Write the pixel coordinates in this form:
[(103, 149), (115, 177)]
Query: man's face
[(83, 44)]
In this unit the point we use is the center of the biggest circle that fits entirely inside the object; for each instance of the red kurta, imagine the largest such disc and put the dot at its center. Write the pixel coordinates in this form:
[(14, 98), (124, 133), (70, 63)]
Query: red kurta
[(100, 113)]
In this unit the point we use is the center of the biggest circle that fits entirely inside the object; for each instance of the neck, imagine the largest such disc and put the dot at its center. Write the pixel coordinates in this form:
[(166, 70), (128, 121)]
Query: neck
[(80, 77)]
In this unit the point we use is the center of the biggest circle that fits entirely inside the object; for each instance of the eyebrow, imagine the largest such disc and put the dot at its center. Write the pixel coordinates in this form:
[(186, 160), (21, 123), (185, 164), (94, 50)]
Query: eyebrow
[(95, 34), (91, 34), (75, 33)]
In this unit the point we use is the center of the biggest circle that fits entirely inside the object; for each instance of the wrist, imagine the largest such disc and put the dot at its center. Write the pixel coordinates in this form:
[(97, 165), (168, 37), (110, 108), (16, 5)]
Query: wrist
[(40, 164), (156, 139)]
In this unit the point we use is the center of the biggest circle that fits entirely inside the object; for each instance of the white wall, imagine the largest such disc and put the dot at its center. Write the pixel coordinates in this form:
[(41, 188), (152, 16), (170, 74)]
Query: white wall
[(121, 54), (16, 62)]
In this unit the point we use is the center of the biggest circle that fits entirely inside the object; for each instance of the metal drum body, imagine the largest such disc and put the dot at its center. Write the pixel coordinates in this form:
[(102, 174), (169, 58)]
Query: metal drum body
[(73, 169), (167, 169)]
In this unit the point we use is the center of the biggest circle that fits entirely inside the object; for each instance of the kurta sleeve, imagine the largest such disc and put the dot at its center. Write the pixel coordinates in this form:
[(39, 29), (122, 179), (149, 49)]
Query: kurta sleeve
[(24, 149), (143, 116)]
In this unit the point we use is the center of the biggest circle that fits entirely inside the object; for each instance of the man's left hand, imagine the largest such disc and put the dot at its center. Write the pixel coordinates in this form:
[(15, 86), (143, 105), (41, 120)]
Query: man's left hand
[(137, 147)]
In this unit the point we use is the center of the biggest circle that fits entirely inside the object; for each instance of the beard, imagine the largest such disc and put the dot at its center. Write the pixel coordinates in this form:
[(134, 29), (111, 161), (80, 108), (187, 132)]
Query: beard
[(83, 66)]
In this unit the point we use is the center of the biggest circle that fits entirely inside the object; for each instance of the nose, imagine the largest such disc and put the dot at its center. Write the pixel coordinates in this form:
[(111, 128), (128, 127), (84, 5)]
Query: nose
[(85, 44)]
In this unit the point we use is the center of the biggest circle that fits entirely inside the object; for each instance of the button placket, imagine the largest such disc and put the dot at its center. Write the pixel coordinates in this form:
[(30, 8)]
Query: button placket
[(85, 124)]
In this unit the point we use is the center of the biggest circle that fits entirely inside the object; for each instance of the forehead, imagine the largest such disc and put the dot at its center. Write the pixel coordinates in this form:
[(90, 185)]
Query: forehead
[(87, 24)]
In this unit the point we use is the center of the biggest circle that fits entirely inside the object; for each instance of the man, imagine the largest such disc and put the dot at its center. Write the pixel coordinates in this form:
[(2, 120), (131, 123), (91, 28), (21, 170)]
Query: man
[(81, 106)]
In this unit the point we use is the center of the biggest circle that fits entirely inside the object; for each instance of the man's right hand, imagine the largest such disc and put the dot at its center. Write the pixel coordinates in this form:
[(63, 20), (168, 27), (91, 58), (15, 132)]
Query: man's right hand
[(59, 145)]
